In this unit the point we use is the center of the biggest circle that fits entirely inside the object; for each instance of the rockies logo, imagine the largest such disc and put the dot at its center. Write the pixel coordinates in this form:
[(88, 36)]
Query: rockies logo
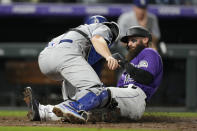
[(128, 79)]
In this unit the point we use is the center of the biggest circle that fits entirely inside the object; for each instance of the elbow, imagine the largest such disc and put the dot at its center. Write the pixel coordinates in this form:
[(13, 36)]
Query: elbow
[(147, 80)]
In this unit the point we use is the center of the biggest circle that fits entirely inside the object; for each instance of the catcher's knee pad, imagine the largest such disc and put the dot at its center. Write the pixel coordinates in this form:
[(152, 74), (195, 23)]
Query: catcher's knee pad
[(131, 100), (95, 97), (102, 94)]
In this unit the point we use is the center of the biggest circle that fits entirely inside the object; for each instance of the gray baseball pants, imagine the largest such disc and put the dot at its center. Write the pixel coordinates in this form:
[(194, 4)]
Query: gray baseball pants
[(65, 62)]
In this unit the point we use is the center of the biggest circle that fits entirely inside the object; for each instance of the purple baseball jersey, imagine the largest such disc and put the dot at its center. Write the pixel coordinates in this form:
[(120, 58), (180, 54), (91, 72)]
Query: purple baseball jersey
[(149, 60)]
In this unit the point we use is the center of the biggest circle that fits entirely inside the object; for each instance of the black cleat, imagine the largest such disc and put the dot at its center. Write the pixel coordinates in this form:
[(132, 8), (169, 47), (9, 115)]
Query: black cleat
[(33, 105)]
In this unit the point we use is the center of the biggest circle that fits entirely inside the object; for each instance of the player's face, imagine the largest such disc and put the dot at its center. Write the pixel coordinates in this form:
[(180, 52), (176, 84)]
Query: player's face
[(134, 42), (140, 12), (135, 45)]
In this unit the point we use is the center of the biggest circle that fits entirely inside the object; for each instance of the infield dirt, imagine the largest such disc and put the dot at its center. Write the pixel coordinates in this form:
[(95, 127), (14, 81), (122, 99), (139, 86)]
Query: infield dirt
[(147, 122)]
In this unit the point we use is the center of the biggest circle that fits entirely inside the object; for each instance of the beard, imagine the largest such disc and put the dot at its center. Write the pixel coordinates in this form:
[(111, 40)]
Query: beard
[(134, 52)]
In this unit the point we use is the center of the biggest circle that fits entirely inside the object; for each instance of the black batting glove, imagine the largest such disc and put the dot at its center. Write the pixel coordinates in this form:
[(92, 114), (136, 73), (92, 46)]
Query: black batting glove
[(121, 60)]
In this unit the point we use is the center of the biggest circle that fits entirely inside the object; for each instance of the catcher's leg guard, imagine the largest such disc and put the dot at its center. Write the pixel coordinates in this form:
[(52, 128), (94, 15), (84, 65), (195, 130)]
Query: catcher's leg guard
[(86, 100), (131, 101), (91, 101)]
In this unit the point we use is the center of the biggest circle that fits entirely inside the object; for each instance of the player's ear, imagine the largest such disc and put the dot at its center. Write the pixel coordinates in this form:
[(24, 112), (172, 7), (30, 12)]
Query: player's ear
[(145, 41)]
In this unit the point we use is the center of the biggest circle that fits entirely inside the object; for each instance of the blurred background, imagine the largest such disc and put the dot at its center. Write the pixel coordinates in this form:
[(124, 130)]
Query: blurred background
[(27, 25)]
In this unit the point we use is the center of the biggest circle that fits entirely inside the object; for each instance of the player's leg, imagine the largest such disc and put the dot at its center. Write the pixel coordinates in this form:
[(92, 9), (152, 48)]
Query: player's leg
[(38, 112), (46, 113), (82, 76), (131, 101), (79, 73), (67, 63), (48, 62), (85, 100), (75, 69), (33, 105), (68, 90)]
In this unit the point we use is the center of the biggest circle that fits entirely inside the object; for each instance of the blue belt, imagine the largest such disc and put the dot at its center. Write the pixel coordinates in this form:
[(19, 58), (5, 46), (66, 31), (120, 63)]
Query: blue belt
[(61, 41), (66, 40)]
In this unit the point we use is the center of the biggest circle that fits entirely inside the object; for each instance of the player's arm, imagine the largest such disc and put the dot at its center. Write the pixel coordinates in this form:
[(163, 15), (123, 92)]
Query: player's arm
[(101, 47), (155, 33), (139, 75), (154, 42)]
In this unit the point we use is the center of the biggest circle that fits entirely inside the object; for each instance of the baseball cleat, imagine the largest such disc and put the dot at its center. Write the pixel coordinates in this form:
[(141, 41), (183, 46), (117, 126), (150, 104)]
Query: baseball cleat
[(32, 104), (65, 111)]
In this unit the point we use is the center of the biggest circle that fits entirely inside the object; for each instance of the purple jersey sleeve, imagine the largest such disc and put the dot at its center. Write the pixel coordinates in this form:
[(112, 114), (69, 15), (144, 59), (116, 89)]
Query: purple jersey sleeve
[(148, 60)]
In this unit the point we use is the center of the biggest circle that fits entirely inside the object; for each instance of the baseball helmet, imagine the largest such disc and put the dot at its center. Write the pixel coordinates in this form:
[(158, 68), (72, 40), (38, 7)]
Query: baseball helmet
[(136, 31), (141, 3), (114, 29), (95, 19)]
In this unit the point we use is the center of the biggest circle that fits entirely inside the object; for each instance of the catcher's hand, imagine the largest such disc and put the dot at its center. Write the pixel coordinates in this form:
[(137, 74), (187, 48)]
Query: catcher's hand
[(121, 60), (112, 63)]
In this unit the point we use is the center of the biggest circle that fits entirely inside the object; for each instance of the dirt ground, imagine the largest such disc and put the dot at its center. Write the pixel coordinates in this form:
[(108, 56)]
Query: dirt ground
[(148, 122)]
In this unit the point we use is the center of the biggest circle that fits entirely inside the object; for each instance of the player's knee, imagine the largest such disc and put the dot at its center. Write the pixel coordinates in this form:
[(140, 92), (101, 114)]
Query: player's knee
[(105, 98), (102, 95)]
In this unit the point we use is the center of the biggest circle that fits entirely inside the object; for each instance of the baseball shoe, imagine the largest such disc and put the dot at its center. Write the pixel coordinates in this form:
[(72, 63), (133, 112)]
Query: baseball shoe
[(73, 116), (32, 104)]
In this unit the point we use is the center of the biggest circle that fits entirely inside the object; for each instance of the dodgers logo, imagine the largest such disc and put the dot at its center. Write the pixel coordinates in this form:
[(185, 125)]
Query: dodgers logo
[(96, 20)]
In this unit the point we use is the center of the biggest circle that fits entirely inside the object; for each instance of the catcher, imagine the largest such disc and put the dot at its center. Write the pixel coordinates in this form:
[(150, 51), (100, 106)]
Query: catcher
[(142, 76), (70, 56)]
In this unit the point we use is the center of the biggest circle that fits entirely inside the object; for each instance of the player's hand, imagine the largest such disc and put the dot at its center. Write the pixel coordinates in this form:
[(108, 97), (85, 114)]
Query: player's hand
[(112, 63), (121, 60)]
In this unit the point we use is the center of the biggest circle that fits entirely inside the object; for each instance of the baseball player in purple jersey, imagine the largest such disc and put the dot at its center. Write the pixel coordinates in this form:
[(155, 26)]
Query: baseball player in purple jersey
[(146, 68), (142, 76)]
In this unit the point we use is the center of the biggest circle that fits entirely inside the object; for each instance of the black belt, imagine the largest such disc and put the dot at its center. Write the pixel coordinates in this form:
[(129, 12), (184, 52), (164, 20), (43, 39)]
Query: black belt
[(61, 41), (133, 86)]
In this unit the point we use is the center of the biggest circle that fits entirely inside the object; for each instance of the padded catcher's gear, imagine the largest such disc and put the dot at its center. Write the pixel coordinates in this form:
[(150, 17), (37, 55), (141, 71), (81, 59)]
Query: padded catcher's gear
[(114, 28)]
